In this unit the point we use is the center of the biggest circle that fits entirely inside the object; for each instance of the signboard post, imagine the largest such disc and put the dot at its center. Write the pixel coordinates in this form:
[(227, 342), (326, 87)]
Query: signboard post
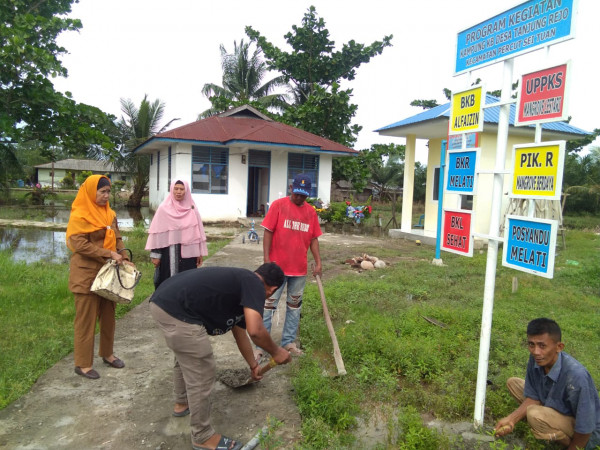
[(524, 28)]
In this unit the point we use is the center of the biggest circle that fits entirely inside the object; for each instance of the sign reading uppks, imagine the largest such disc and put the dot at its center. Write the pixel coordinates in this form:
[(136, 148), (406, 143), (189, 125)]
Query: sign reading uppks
[(543, 96), (466, 111), (530, 245), (538, 170)]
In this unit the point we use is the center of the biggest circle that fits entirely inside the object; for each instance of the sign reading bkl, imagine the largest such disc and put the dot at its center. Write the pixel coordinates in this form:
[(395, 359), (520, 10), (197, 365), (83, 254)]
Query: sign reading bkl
[(460, 171), (543, 96), (538, 170), (529, 245), (524, 28), (466, 111), (456, 233)]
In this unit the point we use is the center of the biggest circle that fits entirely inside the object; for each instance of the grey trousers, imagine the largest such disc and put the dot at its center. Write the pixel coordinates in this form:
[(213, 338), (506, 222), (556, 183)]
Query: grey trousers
[(194, 369)]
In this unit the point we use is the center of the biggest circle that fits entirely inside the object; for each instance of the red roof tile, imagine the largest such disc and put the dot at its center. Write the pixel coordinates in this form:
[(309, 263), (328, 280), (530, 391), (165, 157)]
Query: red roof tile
[(227, 129)]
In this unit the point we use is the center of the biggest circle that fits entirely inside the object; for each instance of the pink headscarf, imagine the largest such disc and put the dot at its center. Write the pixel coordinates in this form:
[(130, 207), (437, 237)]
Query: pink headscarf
[(178, 222)]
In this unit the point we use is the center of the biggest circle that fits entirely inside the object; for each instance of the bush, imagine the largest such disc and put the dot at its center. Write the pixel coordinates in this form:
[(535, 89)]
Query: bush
[(68, 181), (342, 212), (38, 194)]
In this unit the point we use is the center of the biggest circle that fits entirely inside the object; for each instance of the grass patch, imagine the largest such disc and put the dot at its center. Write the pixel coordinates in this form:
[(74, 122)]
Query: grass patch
[(37, 312), (394, 356)]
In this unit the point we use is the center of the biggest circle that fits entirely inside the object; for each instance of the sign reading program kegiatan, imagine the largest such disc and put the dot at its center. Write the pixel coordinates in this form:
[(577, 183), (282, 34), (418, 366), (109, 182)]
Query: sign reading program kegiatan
[(526, 27)]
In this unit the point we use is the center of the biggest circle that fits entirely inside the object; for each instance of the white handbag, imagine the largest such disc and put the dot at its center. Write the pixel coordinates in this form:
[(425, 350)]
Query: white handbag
[(116, 282)]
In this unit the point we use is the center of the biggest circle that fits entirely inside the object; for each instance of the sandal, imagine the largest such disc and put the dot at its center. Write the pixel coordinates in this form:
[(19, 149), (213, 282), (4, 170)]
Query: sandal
[(294, 351), (225, 443)]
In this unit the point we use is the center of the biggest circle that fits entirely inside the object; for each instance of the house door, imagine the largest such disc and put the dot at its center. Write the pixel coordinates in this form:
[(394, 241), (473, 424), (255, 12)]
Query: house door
[(259, 170)]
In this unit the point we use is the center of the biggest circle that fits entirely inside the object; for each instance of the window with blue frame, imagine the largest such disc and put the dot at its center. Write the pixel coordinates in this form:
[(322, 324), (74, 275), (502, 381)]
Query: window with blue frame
[(210, 170), (302, 163)]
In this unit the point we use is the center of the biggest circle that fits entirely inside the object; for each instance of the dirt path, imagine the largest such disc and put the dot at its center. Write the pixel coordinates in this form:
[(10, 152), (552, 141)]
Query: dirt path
[(131, 408)]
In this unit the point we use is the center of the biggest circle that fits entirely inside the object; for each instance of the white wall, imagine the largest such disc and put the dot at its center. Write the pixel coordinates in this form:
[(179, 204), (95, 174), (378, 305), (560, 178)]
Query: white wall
[(325, 167), (45, 179), (482, 200), (232, 206)]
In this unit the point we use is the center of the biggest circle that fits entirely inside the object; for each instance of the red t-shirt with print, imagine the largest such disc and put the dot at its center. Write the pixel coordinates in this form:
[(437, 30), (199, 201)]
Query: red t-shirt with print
[(293, 227)]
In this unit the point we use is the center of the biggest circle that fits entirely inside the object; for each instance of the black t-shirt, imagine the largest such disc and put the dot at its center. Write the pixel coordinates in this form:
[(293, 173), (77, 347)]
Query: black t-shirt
[(213, 296)]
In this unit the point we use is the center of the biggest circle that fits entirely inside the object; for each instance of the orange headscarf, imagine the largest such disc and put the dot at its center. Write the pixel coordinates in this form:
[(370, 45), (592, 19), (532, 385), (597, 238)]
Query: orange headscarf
[(87, 217)]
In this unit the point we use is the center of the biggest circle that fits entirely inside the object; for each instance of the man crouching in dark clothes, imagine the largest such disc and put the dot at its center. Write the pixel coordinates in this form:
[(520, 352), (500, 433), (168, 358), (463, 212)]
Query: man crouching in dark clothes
[(190, 306)]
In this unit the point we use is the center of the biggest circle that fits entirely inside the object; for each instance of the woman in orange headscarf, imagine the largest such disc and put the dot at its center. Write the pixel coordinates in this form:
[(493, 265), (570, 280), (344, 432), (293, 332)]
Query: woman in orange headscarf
[(93, 237)]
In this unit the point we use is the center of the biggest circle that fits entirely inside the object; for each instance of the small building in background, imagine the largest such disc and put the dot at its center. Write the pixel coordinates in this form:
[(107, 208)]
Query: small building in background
[(239, 162), (74, 167)]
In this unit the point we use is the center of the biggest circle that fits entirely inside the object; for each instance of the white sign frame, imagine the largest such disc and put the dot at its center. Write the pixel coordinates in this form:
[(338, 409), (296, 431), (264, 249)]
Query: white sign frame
[(559, 171), (551, 245), (565, 103), (473, 190)]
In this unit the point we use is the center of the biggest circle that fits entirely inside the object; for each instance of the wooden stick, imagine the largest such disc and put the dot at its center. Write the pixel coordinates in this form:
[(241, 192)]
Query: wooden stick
[(336, 348)]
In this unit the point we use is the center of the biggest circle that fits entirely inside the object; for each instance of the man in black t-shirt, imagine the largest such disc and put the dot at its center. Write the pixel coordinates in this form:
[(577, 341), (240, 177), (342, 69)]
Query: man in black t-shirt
[(190, 306)]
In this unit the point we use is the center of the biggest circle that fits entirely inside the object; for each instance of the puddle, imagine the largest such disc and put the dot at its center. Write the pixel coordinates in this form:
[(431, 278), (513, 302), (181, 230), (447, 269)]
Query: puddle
[(33, 244)]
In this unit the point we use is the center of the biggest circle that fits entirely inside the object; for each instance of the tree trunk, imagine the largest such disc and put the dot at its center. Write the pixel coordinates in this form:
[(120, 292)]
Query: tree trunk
[(135, 199)]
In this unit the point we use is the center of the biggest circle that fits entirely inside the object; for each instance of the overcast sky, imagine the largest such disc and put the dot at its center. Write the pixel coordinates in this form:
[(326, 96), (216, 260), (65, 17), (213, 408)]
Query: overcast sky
[(169, 50)]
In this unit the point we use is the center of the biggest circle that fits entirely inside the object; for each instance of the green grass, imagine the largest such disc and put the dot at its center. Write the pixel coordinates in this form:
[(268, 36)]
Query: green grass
[(37, 312), (393, 356)]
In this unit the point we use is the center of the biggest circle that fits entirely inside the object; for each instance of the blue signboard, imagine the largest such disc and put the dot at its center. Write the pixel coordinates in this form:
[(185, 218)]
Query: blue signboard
[(529, 245), (460, 171), (519, 30), (455, 141)]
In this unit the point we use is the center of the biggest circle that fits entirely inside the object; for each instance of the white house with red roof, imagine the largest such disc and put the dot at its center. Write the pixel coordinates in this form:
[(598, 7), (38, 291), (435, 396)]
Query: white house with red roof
[(238, 162)]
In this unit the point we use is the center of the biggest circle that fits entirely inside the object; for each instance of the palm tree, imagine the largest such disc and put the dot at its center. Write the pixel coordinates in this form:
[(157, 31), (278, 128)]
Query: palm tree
[(243, 76), (387, 177), (136, 126)]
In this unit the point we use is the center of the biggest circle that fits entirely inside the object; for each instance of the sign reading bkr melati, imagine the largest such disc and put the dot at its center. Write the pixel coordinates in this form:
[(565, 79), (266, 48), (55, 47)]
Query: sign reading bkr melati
[(526, 27), (466, 111), (461, 170), (529, 245), (538, 170), (456, 233), (543, 96)]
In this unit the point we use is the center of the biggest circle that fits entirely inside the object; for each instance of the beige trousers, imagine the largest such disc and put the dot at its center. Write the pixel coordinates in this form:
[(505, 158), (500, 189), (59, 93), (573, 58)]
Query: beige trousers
[(546, 423), (194, 369)]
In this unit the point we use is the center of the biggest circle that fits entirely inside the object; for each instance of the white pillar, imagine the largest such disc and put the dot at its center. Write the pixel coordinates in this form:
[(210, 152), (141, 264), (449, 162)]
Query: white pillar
[(409, 182)]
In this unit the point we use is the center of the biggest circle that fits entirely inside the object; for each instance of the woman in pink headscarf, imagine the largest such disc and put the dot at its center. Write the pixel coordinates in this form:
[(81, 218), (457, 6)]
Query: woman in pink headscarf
[(176, 238)]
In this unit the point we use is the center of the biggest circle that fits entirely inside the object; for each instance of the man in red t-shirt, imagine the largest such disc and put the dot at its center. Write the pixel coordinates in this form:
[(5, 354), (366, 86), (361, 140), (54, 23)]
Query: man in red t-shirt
[(291, 228)]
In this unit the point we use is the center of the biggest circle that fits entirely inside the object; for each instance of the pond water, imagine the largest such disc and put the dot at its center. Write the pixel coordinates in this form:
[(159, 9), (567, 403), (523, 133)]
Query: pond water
[(34, 244)]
